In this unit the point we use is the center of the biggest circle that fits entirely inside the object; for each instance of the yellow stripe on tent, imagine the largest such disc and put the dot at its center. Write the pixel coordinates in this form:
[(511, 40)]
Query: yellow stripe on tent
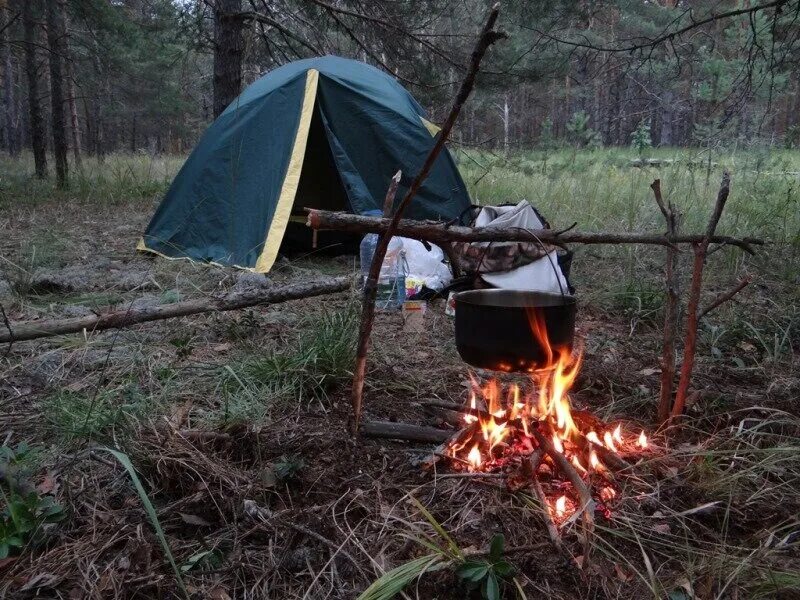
[(432, 128), (292, 179)]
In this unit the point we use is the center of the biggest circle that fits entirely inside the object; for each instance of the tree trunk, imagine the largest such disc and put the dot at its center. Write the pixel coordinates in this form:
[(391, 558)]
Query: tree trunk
[(665, 138), (72, 102), (38, 141), (9, 101), (228, 52), (57, 42), (506, 124)]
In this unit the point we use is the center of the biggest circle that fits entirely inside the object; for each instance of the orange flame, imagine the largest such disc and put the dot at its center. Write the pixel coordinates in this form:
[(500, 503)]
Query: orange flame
[(468, 419), (617, 435), (561, 506), (592, 437), (609, 441), (642, 440), (474, 457)]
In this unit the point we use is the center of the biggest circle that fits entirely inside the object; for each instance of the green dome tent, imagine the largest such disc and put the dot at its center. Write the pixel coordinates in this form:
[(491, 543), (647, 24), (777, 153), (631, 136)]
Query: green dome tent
[(324, 133)]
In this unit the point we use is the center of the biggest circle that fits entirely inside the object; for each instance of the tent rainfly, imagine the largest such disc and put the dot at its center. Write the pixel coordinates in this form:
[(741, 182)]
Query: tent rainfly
[(323, 133)]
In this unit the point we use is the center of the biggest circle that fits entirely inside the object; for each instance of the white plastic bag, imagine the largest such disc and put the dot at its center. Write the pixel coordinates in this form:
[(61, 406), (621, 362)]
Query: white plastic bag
[(426, 267)]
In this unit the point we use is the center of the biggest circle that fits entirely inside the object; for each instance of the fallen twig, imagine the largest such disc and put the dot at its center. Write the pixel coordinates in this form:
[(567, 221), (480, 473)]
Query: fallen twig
[(404, 431)]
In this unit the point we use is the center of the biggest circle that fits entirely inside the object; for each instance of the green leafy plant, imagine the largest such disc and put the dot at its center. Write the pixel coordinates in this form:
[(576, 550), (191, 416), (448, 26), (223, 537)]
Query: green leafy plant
[(288, 467), (487, 574), (580, 134), (183, 346), (24, 508)]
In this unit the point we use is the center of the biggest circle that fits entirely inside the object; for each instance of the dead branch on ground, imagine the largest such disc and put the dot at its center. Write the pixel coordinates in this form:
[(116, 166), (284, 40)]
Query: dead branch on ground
[(31, 330)]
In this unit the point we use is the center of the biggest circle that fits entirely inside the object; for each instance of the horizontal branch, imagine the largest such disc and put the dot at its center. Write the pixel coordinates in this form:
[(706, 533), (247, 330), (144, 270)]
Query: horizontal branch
[(31, 330), (439, 233)]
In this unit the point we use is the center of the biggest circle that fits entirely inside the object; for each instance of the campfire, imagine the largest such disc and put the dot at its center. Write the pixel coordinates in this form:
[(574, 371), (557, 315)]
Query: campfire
[(529, 431)]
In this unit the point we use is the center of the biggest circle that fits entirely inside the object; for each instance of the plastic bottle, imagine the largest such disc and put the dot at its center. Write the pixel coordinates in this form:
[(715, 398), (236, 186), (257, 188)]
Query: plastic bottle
[(392, 279), (366, 252)]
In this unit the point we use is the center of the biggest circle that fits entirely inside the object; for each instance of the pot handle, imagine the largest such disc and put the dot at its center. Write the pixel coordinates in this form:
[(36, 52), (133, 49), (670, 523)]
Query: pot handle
[(553, 264)]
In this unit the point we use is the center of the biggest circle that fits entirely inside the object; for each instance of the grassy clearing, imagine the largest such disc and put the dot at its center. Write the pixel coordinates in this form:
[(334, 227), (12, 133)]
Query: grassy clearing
[(307, 369), (118, 178), (602, 191), (715, 519), (100, 415)]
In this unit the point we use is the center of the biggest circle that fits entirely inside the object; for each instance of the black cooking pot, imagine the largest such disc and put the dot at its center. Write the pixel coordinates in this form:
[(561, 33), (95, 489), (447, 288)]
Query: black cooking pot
[(494, 327)]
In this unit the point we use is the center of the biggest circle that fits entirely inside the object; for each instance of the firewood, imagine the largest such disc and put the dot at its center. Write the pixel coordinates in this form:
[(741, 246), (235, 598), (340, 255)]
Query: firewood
[(403, 431)]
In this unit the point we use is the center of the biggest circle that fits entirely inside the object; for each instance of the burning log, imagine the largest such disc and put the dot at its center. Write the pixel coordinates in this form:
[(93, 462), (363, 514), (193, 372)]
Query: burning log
[(587, 504), (536, 486)]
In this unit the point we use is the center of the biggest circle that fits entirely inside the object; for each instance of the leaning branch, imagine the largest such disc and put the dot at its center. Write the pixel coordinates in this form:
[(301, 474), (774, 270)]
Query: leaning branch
[(442, 233), (487, 38), (693, 304), (31, 330), (672, 307)]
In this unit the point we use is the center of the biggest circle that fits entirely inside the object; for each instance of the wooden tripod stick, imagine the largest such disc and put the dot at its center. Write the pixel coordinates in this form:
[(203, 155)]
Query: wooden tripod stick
[(487, 38)]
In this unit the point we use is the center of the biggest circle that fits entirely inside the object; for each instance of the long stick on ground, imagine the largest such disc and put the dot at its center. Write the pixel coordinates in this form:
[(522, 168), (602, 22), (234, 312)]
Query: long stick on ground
[(442, 233), (692, 310), (487, 38), (672, 307), (404, 431), (31, 330)]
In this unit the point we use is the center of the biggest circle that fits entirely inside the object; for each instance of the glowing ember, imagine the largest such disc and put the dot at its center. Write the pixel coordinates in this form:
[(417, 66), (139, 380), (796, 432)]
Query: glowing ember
[(561, 507), (642, 440), (607, 494)]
